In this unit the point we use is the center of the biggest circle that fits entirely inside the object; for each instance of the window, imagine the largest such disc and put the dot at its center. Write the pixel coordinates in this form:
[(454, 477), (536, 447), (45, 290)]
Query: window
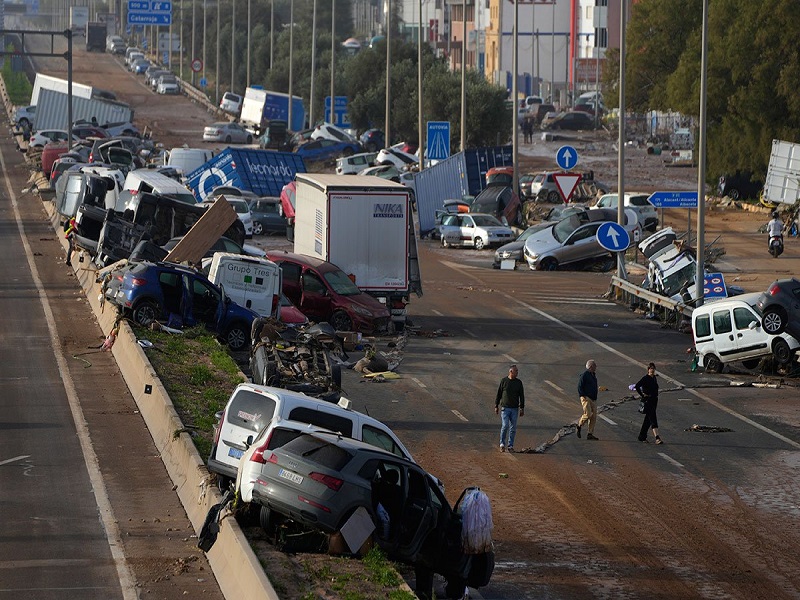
[(330, 421), (319, 451), (291, 272), (743, 317), (312, 284), (250, 410), (380, 439), (722, 321), (702, 326)]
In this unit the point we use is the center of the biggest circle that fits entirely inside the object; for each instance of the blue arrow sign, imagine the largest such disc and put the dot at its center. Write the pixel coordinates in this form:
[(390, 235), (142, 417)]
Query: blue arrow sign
[(139, 5), (161, 7), (438, 140), (612, 236), (674, 199), (567, 157)]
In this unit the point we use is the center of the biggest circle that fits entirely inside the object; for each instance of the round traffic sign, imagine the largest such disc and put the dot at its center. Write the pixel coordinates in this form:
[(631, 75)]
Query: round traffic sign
[(197, 65), (567, 157)]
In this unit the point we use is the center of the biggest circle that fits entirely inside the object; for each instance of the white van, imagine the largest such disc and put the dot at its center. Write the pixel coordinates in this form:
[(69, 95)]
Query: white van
[(352, 165), (252, 282), (730, 330), (153, 182), (252, 407), (231, 103), (185, 160)]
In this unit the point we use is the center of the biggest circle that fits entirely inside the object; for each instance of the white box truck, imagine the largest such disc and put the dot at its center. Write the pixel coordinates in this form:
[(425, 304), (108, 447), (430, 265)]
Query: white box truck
[(78, 18), (782, 184), (363, 225), (250, 281)]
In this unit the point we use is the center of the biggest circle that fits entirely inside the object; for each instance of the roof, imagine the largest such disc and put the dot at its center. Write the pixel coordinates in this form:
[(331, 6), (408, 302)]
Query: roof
[(334, 182), (303, 259)]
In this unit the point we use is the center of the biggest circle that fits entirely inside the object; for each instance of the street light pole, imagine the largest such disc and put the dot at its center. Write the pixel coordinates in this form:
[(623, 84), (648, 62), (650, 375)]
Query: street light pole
[(464, 74), (233, 46), (291, 59), (621, 273), (194, 54), (701, 165), (249, 32), (515, 96), (217, 75), (271, 30), (205, 23), (421, 131), (388, 22), (313, 63), (333, 56)]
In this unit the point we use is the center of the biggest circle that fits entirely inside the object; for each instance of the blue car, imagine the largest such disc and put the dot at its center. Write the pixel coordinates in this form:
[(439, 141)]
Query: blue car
[(180, 296), (321, 149)]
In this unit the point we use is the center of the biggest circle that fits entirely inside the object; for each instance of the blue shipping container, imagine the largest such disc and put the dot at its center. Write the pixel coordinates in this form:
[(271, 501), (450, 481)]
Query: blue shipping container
[(463, 174), (263, 172)]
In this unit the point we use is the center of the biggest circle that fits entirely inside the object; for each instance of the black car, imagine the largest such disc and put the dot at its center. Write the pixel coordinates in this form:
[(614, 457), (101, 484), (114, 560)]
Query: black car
[(373, 140), (740, 185), (267, 216), (780, 307), (574, 120)]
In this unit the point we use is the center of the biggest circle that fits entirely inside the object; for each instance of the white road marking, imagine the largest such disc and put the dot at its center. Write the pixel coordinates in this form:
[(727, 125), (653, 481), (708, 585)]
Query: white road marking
[(418, 382), (585, 302), (511, 358), (553, 385), (670, 460), (607, 420), (15, 459), (469, 333), (459, 415), (436, 312), (109, 521)]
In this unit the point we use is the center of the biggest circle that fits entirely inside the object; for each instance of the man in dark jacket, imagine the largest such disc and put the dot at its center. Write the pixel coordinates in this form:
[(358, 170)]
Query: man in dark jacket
[(587, 390), (511, 399)]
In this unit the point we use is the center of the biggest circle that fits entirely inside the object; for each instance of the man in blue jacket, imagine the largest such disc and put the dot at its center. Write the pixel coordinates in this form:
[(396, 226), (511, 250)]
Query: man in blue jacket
[(587, 390)]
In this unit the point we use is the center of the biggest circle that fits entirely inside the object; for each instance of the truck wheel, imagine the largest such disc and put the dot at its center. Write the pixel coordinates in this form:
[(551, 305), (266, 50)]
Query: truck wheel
[(781, 351), (479, 243), (258, 228), (145, 312), (713, 364), (341, 321), (237, 337)]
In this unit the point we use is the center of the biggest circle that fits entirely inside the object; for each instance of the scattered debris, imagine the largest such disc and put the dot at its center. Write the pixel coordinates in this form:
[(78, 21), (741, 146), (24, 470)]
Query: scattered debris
[(708, 429)]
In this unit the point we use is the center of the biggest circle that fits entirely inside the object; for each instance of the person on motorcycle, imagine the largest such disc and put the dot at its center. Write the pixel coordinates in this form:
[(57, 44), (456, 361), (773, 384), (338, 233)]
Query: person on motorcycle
[(775, 227)]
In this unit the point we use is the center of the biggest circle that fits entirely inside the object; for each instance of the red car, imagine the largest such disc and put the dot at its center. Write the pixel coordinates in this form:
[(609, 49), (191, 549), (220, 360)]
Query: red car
[(323, 292)]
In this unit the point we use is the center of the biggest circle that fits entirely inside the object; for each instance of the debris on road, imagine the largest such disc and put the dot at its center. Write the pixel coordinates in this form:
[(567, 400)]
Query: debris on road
[(709, 429)]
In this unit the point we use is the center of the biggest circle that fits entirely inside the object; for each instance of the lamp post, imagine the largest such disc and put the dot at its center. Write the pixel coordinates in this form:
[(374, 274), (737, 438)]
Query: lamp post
[(388, 23), (621, 141), (249, 31), (205, 23), (271, 29), (421, 130), (233, 46), (217, 75), (515, 96), (313, 62), (333, 55), (291, 59), (194, 54), (701, 165), (463, 75)]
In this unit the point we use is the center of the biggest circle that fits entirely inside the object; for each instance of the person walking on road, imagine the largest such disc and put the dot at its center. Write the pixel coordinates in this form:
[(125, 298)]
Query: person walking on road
[(509, 404), (587, 390), (647, 387)]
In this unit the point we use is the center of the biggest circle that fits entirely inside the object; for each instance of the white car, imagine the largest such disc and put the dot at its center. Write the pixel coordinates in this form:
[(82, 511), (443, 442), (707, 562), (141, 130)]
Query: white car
[(638, 201), (168, 86), (544, 188), (326, 131), (242, 209), (40, 138), (25, 115), (398, 158), (231, 103), (476, 230)]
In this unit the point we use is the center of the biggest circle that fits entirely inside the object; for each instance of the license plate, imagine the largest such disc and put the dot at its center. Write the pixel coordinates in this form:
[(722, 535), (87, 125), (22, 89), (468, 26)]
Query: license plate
[(293, 477), (235, 453)]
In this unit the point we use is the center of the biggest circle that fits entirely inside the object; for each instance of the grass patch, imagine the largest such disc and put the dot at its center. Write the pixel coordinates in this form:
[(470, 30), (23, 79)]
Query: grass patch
[(198, 374), (17, 85)]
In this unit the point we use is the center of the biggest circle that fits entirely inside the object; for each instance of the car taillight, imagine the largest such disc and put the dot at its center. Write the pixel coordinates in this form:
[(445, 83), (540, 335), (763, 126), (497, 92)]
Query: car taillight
[(331, 482), (258, 455), (774, 290), (137, 281), (314, 504), (273, 459), (218, 428)]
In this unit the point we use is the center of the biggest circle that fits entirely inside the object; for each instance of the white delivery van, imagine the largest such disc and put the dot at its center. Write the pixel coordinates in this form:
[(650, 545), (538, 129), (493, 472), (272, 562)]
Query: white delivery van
[(186, 160), (730, 330), (250, 281)]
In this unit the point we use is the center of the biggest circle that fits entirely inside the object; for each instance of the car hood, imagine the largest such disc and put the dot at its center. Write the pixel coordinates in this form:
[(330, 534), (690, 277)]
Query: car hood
[(515, 246), (542, 241), (364, 300)]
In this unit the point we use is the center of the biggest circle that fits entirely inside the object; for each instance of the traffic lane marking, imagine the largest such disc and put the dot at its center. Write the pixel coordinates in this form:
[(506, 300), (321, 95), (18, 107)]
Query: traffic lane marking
[(15, 459), (671, 460), (418, 382), (511, 358), (607, 420), (553, 385), (469, 333), (459, 415)]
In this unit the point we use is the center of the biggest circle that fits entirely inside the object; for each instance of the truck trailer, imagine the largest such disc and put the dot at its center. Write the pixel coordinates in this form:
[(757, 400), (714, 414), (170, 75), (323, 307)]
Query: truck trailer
[(362, 224), (262, 106), (96, 36)]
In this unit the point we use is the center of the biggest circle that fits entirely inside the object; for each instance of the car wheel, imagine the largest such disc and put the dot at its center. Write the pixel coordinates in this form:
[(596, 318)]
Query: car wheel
[(752, 363), (267, 520), (479, 243), (444, 242), (249, 139), (773, 321), (145, 312), (553, 197), (549, 264), (237, 337), (24, 123), (733, 194), (713, 364), (781, 351), (258, 228), (227, 139), (341, 321), (223, 483)]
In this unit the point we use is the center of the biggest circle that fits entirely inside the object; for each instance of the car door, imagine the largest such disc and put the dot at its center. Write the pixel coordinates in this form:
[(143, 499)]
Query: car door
[(581, 244), (725, 339), (204, 303), (466, 226), (749, 336), (315, 299)]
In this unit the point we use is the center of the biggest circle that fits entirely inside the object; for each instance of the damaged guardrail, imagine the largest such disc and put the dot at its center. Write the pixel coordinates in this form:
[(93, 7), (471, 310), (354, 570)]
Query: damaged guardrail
[(625, 292)]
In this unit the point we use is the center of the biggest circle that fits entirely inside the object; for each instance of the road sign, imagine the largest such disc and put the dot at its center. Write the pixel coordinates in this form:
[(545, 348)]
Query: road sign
[(567, 157), (165, 58), (149, 19), (566, 184), (197, 65), (340, 117), (612, 236), (157, 7), (139, 5), (149, 12), (674, 199), (203, 82), (714, 286), (438, 140)]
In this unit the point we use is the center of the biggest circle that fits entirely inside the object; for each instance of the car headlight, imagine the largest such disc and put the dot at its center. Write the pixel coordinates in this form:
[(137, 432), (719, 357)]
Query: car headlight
[(505, 254), (361, 311)]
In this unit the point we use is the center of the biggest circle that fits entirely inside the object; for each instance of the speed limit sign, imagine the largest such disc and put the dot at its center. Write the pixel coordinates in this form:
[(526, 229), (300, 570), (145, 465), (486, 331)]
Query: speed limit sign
[(197, 65)]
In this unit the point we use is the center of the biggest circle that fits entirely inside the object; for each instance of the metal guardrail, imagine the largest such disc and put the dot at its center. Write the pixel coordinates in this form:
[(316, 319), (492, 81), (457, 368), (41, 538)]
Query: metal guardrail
[(624, 291)]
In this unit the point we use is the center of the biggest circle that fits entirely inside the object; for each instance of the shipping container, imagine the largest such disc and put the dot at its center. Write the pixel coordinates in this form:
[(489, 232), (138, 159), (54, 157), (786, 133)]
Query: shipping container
[(783, 174), (463, 174), (51, 111), (47, 82), (263, 172)]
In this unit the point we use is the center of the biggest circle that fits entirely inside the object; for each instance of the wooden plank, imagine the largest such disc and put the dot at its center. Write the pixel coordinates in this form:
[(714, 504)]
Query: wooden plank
[(208, 229)]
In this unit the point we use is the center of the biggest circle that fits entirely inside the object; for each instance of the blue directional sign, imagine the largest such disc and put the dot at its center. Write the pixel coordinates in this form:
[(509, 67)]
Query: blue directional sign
[(340, 118), (613, 237), (674, 199), (714, 286), (159, 7), (203, 82), (438, 140), (149, 19), (149, 12), (139, 5), (567, 157)]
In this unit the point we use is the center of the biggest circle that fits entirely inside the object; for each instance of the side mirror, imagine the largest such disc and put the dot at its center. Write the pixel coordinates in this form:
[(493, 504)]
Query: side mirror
[(753, 325)]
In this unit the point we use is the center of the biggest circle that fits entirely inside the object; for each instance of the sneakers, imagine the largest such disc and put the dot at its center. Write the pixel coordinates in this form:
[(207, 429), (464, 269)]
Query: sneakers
[(591, 436), (645, 441), (502, 448), (511, 449), (578, 428)]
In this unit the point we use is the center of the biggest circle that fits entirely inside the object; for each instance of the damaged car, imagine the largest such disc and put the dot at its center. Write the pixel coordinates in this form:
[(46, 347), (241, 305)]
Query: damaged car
[(474, 230), (326, 482)]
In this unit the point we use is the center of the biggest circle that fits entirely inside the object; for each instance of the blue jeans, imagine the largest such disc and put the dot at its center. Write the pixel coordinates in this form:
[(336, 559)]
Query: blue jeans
[(509, 427)]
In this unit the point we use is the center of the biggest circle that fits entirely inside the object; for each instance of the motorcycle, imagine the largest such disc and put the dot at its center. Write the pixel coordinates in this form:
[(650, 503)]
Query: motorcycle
[(776, 245)]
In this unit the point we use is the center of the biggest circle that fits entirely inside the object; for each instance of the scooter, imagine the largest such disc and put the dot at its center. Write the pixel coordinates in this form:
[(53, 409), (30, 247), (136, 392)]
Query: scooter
[(776, 245)]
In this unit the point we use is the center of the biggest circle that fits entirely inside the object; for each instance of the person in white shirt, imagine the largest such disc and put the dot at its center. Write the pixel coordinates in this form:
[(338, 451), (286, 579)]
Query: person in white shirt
[(775, 227)]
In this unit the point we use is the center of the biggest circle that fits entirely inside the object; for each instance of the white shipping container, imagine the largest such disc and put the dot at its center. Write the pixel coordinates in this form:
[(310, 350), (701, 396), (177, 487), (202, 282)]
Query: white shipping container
[(783, 173), (47, 82), (359, 223)]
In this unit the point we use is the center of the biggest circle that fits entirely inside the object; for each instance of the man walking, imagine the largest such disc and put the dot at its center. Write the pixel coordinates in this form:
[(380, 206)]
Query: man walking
[(511, 401), (587, 390)]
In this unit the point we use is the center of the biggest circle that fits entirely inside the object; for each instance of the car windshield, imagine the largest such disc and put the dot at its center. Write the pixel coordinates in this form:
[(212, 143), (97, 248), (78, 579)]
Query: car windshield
[(486, 221), (531, 230), (239, 207), (319, 451), (565, 227), (341, 283)]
